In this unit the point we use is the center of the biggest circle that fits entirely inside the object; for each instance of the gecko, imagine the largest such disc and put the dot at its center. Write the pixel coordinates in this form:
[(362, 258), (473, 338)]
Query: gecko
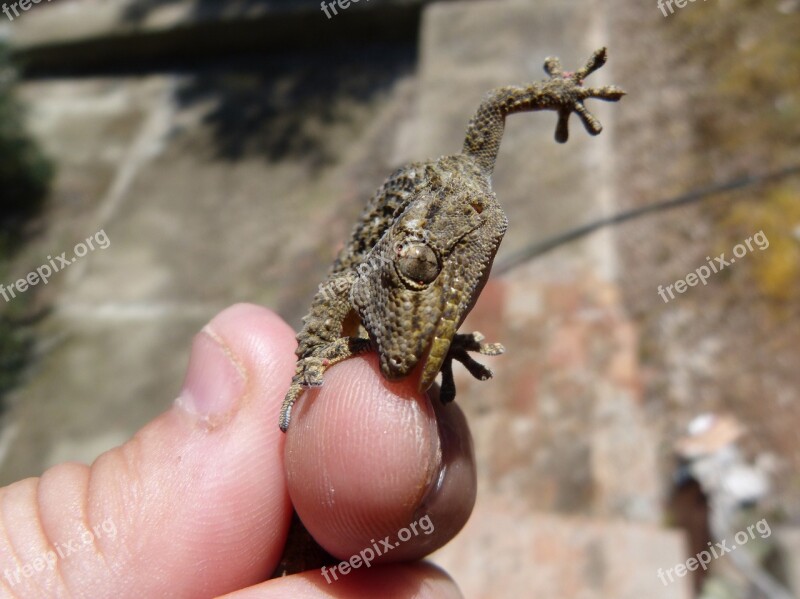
[(422, 249)]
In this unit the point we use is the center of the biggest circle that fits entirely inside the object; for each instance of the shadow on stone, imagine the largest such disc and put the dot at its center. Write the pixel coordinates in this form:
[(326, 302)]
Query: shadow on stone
[(282, 106)]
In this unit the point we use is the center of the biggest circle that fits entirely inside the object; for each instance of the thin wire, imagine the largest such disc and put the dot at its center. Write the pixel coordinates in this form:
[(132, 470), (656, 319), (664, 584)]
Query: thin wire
[(537, 249)]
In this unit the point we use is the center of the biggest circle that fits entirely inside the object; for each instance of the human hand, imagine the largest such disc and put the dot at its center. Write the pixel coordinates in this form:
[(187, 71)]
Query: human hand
[(198, 503)]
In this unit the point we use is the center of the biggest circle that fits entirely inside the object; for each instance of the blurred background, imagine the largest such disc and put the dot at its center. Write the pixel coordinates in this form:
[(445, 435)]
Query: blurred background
[(226, 148)]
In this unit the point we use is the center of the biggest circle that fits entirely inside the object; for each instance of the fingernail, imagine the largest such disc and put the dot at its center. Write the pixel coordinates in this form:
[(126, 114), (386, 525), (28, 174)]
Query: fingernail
[(214, 382)]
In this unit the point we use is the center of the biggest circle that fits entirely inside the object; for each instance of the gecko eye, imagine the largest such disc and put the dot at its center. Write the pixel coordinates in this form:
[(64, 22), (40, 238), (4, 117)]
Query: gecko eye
[(417, 262)]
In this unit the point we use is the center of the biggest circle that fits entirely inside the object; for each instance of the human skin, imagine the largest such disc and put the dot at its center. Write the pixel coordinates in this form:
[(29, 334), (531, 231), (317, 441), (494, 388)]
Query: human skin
[(201, 497)]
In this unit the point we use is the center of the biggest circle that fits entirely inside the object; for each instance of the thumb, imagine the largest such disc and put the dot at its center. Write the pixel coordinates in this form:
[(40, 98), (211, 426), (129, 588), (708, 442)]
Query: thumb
[(194, 505)]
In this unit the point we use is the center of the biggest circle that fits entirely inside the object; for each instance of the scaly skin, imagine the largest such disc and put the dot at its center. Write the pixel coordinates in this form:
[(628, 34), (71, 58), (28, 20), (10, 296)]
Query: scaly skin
[(422, 250)]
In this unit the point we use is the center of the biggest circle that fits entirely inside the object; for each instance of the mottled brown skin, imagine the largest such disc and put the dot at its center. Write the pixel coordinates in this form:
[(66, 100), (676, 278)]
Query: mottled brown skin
[(422, 250)]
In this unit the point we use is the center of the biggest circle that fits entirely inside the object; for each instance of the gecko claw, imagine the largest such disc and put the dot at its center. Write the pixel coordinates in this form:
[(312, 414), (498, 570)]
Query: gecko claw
[(596, 60)]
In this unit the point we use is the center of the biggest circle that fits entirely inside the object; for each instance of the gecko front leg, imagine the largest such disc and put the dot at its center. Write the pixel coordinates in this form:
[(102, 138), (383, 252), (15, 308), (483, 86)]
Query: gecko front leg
[(321, 343)]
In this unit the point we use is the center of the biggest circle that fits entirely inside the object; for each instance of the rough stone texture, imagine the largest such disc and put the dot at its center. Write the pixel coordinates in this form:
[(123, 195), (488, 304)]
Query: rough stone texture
[(560, 557), (560, 427)]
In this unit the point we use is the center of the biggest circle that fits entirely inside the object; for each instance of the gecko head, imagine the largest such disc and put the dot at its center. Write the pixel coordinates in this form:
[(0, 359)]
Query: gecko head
[(419, 282)]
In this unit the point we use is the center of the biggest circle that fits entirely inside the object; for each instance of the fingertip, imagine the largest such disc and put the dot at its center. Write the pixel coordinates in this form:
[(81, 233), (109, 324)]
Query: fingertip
[(360, 454), (367, 458)]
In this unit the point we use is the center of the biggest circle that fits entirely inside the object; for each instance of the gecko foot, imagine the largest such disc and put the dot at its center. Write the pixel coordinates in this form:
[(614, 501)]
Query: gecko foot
[(570, 89), (288, 402), (461, 344), (309, 371)]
